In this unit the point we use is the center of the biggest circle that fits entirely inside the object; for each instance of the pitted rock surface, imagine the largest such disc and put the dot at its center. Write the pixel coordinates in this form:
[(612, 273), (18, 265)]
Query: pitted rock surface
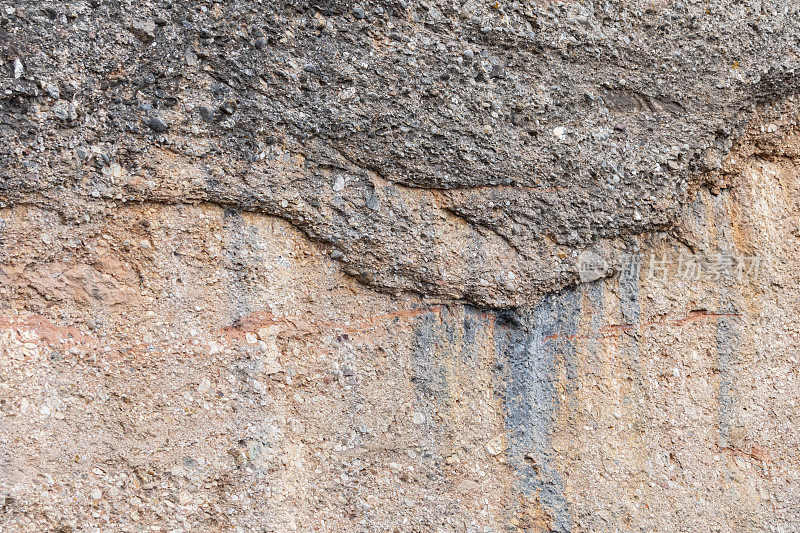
[(463, 151)]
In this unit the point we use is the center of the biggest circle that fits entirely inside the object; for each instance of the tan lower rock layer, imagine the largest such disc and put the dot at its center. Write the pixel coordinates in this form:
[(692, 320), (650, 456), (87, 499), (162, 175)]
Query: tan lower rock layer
[(194, 368)]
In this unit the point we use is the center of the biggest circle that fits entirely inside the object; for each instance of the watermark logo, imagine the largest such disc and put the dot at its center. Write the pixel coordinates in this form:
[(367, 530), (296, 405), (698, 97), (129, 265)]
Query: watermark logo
[(683, 266), (592, 266)]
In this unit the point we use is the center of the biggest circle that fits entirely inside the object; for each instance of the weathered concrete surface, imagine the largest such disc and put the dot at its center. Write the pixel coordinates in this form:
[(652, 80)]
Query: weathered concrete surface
[(313, 267)]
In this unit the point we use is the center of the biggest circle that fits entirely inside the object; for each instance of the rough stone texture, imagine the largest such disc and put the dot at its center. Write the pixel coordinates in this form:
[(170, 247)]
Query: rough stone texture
[(459, 151), (315, 266)]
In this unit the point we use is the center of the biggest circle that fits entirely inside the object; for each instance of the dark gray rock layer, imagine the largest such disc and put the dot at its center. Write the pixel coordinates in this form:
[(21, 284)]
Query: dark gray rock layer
[(460, 150)]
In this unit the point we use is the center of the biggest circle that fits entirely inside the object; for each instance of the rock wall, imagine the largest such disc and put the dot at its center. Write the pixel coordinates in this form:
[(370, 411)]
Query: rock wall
[(399, 266)]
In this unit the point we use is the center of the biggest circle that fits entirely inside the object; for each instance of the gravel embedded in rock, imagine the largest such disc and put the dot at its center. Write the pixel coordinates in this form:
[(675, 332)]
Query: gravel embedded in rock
[(157, 124)]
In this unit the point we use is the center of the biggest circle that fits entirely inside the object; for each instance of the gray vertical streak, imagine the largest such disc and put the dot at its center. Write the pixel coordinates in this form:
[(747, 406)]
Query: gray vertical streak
[(596, 296), (530, 344), (727, 357), (728, 338), (629, 291), (433, 332), (630, 306), (437, 338), (236, 256)]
